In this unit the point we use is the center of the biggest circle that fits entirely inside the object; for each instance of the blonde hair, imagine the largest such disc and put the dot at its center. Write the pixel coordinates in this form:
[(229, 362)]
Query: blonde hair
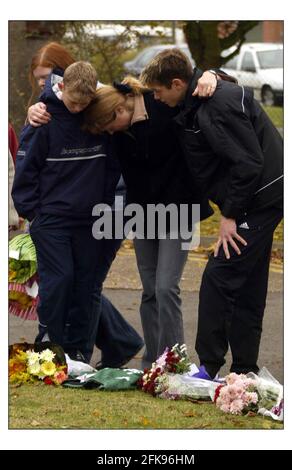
[(102, 110), (80, 78), (138, 88)]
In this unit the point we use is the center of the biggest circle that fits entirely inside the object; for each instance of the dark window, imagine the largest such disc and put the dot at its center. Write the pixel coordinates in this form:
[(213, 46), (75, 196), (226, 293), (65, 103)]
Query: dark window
[(248, 62)]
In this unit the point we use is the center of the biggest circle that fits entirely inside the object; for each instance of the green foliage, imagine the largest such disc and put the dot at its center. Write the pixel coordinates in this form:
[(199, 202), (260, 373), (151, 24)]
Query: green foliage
[(108, 54)]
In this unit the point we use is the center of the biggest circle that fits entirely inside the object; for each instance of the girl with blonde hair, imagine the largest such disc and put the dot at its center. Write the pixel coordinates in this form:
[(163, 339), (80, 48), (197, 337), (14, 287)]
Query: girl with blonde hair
[(155, 173)]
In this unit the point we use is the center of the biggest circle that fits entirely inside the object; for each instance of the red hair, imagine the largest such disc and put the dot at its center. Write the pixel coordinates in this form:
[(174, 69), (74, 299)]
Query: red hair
[(51, 55)]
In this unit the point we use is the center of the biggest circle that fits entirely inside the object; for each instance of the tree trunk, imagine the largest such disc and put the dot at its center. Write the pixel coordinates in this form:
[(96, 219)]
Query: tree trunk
[(206, 45)]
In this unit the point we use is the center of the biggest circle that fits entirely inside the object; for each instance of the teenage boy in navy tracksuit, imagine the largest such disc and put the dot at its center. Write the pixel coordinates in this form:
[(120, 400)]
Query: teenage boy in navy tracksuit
[(60, 175), (235, 157)]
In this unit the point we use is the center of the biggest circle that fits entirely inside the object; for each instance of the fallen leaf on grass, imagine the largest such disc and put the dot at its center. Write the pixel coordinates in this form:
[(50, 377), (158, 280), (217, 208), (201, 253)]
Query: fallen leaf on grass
[(190, 414), (96, 413), (146, 422), (199, 402), (35, 423)]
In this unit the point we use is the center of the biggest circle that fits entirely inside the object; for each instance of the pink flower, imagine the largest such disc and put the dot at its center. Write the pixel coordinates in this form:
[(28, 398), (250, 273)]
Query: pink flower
[(234, 391), (225, 408), (250, 397), (231, 378), (238, 395), (236, 406)]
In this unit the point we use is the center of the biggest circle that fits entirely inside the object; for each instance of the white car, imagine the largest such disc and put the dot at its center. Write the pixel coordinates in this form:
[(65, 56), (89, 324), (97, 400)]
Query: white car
[(260, 66)]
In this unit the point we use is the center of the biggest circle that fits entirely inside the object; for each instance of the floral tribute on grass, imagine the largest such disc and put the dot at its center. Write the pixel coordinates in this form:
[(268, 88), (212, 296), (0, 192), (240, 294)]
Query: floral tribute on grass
[(174, 361), (23, 277), (247, 394), (30, 363)]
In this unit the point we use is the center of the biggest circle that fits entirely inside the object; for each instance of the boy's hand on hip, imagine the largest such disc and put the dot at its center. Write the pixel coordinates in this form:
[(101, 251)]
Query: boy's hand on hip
[(228, 234)]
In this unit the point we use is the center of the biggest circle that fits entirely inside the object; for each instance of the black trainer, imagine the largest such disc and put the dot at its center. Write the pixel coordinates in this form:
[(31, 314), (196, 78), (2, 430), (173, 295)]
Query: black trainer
[(119, 363), (76, 356)]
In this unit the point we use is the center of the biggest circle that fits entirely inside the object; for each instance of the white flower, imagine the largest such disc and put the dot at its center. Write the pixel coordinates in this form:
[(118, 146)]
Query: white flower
[(47, 355), (34, 368), (32, 357)]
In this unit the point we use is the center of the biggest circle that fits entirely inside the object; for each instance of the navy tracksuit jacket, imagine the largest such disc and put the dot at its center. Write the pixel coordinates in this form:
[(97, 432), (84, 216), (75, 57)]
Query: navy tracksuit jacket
[(61, 173)]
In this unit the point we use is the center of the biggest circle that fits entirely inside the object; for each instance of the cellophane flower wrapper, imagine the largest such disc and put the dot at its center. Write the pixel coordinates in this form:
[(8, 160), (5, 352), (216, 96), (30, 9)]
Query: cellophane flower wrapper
[(250, 393), (23, 278), (182, 387), (21, 303), (77, 368), (22, 258), (270, 391)]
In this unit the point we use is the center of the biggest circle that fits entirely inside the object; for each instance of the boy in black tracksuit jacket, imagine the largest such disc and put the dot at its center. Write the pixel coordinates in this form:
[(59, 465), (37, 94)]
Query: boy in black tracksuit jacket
[(60, 175), (235, 157)]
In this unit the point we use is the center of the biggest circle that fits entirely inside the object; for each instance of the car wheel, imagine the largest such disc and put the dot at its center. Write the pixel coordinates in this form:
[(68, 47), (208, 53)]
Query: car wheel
[(268, 96)]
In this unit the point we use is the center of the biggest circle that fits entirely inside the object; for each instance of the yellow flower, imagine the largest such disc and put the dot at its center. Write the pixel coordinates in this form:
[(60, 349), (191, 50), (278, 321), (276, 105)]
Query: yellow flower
[(21, 356), (48, 368)]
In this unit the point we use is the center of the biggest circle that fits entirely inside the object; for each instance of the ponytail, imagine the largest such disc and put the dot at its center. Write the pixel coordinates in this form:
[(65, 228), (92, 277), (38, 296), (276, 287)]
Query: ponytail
[(136, 86)]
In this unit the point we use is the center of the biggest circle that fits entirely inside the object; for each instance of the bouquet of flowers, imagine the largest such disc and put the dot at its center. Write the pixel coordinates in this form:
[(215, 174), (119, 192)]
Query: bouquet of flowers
[(22, 258), (249, 393), (238, 396), (23, 299), (23, 281), (171, 361), (28, 365), (21, 271), (182, 387)]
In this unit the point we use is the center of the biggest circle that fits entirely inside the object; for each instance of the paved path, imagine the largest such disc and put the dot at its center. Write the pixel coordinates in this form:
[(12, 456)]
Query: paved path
[(123, 287)]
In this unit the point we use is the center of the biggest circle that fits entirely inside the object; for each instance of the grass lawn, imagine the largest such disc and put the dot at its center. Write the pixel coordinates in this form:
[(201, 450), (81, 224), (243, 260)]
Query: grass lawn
[(47, 407), (275, 113)]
